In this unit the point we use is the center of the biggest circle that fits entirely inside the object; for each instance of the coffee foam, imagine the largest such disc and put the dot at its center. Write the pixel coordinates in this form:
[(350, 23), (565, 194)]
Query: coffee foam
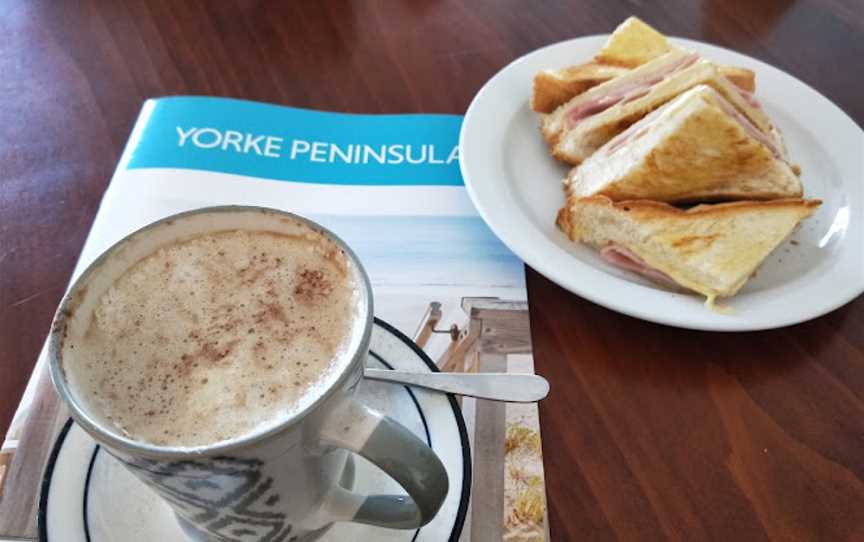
[(216, 337)]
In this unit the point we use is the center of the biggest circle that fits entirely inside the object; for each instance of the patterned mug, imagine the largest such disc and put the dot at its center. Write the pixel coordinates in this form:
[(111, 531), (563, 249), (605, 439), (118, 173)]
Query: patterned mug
[(286, 481)]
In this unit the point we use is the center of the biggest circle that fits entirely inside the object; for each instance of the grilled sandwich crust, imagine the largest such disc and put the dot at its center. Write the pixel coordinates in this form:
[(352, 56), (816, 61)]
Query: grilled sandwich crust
[(649, 209), (710, 249)]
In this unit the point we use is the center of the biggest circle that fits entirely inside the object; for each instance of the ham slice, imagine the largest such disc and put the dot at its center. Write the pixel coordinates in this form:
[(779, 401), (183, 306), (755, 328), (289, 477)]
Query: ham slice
[(748, 126), (749, 98), (634, 132), (624, 258), (592, 107), (631, 136), (627, 91)]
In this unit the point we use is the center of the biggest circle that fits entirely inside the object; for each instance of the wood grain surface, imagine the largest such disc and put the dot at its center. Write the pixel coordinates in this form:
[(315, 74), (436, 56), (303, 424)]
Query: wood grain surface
[(650, 432)]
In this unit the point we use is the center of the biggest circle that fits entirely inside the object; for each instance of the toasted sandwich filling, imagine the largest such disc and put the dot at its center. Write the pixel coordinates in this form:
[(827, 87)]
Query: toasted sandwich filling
[(627, 91), (634, 132), (749, 98), (745, 123), (621, 256)]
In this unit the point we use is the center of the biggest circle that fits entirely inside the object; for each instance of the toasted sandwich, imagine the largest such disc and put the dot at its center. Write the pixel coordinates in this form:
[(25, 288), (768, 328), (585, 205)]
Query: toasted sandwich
[(697, 147), (709, 249), (578, 128), (555, 87), (632, 44)]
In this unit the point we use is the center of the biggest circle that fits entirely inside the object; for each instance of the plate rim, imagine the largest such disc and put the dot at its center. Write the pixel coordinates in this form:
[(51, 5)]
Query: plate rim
[(467, 480), (518, 243)]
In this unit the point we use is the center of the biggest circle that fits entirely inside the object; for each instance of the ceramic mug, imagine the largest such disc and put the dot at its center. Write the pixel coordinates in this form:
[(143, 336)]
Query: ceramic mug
[(287, 481)]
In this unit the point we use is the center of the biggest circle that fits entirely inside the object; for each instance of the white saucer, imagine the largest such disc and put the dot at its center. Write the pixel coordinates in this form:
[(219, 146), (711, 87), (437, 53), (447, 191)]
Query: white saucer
[(516, 186), (88, 497)]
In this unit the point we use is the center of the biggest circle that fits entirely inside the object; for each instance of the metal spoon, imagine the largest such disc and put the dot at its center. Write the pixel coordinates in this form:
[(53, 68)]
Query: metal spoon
[(507, 387)]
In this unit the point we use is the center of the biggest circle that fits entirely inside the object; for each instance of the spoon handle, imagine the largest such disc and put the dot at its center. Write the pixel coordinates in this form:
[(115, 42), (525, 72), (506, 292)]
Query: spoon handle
[(508, 387)]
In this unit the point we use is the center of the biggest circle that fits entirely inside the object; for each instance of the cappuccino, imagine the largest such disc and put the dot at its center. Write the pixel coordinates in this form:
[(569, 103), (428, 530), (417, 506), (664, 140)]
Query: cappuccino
[(215, 337)]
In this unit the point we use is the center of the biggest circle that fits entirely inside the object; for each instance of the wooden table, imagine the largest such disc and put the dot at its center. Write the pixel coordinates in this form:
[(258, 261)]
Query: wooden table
[(650, 432)]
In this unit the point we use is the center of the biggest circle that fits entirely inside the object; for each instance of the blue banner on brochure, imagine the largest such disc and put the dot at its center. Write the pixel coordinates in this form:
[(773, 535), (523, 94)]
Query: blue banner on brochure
[(299, 145)]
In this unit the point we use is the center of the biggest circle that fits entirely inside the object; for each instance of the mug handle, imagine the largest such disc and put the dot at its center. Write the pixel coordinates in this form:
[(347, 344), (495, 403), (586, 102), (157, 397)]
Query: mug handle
[(399, 453)]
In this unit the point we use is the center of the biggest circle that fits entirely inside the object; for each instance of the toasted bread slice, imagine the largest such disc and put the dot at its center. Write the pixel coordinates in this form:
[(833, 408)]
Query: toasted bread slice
[(552, 88), (581, 126), (555, 87), (697, 147), (740, 77), (632, 44), (710, 249)]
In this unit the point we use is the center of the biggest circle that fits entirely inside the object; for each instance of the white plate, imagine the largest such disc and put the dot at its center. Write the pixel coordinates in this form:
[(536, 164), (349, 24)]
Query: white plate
[(516, 186), (88, 497)]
